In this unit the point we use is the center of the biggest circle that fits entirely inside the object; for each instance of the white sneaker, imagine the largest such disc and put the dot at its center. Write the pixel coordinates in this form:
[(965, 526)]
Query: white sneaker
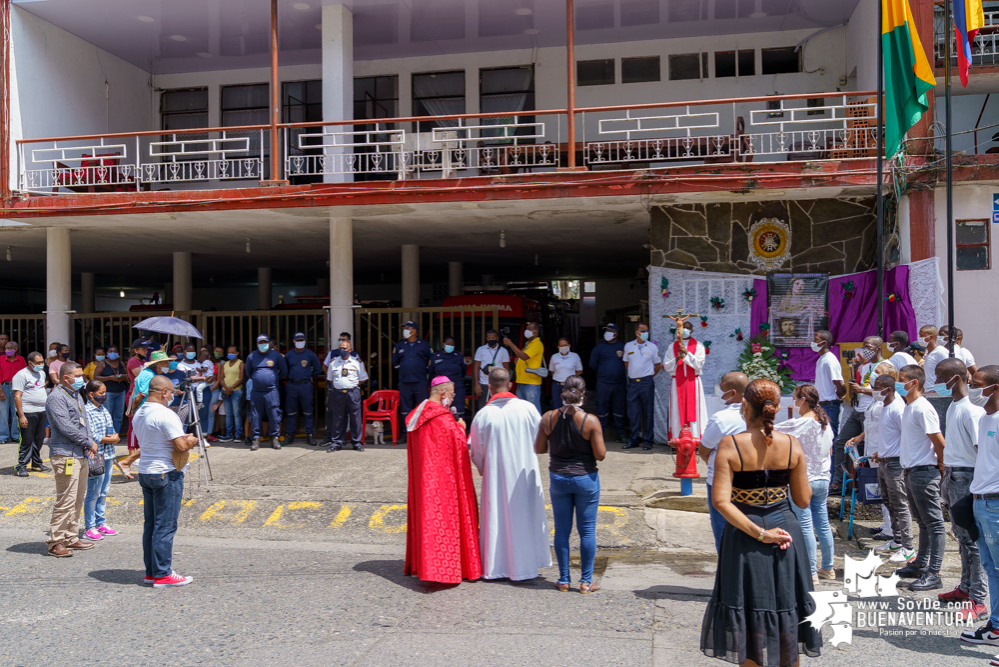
[(902, 556), (888, 547)]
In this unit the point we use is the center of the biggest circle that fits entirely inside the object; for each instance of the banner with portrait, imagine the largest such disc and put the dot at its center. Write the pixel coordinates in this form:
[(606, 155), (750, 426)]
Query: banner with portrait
[(797, 307)]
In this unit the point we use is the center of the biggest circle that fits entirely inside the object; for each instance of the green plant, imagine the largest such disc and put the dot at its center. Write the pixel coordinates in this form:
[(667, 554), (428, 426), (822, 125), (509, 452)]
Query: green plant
[(759, 360)]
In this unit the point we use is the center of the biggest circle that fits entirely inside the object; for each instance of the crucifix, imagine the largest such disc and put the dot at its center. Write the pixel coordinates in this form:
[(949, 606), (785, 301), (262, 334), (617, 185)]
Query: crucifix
[(680, 318)]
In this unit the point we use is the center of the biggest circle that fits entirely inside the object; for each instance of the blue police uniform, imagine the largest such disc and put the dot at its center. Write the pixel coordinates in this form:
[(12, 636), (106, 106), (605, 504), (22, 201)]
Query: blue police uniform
[(607, 359), (265, 371), (453, 367), (411, 360), (303, 366)]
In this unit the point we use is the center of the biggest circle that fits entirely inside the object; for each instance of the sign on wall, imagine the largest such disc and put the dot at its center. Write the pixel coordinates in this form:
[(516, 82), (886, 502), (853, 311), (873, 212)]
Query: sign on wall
[(769, 243), (798, 307), (995, 208)]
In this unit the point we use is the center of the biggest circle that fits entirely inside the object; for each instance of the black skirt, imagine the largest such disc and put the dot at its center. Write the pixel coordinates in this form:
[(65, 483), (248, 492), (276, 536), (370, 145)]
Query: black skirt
[(761, 595)]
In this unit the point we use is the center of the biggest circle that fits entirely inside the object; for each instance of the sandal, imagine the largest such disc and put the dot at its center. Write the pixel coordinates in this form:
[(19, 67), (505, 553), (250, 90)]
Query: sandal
[(125, 470), (562, 587), (585, 588)]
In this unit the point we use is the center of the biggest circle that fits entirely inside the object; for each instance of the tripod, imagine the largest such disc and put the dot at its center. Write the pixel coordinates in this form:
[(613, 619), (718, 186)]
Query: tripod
[(188, 401)]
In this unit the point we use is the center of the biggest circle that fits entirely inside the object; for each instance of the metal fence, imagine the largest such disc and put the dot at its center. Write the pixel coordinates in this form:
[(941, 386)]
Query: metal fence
[(28, 331), (241, 328), (90, 331)]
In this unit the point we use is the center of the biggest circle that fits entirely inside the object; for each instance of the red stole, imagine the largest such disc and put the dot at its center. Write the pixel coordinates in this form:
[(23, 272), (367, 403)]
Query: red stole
[(686, 385), (502, 394)]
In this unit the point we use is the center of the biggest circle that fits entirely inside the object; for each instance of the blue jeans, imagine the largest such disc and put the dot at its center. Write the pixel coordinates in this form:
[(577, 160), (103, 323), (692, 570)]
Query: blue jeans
[(530, 393), (832, 411), (8, 415), (97, 496), (579, 493), (161, 495), (717, 521), (115, 404), (987, 519), (814, 521), (234, 414)]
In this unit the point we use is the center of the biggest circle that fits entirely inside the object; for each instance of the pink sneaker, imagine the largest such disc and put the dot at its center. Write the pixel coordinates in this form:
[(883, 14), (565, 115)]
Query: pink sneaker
[(93, 535), (173, 580), (104, 530)]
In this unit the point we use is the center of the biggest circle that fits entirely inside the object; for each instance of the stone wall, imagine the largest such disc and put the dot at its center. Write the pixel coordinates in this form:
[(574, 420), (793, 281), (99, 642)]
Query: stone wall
[(835, 236)]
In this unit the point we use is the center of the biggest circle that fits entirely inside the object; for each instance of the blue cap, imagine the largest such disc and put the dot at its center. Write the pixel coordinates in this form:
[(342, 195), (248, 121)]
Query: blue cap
[(299, 336), (411, 324), (263, 337), (610, 327)]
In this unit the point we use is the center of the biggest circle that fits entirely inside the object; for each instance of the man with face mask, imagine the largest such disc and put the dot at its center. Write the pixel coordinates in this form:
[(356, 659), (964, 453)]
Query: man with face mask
[(684, 360), (862, 371), (487, 357), (531, 358), (722, 423), (891, 477), (410, 357), (303, 367), (898, 341), (265, 367), (11, 363), (607, 361), (450, 363), (641, 360), (62, 356), (344, 378), (828, 378), (563, 364), (29, 397)]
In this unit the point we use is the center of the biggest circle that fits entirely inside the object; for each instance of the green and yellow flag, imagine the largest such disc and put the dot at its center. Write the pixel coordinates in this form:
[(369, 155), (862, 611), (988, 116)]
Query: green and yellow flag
[(908, 76)]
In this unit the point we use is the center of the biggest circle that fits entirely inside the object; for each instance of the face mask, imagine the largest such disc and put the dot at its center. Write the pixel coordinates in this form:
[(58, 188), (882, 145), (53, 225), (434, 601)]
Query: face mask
[(173, 365), (299, 344), (190, 355), (492, 343), (901, 390), (446, 401), (112, 355), (52, 353), (795, 410), (882, 397), (942, 341), (64, 355), (564, 349), (866, 354), (609, 336), (449, 348), (230, 357), (528, 333), (39, 368), (644, 335), (684, 333), (942, 389), (344, 353), (78, 383), (977, 398), (816, 347), (98, 357), (718, 391), (406, 333), (11, 353), (99, 400), (263, 347)]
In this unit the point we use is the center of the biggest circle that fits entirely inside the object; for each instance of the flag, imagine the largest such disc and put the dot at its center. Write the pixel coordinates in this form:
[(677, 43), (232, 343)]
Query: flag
[(969, 17), (908, 76)]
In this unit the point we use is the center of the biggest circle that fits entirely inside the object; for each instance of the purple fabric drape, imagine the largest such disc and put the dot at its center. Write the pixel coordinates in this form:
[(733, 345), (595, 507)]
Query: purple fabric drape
[(850, 320)]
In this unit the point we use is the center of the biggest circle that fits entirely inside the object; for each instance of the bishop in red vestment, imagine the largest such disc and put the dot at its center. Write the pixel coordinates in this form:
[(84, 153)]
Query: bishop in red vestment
[(442, 538)]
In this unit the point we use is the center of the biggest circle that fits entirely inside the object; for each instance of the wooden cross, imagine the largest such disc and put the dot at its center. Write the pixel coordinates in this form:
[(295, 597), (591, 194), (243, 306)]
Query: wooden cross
[(680, 318)]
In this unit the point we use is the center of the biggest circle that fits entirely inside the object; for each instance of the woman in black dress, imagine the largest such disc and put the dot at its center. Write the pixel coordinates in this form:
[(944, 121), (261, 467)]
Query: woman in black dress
[(757, 611)]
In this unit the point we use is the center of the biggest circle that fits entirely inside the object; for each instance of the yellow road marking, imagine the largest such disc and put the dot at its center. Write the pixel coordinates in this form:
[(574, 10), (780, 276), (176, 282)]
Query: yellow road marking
[(619, 520), (215, 511), (274, 518), (341, 516), (377, 522), (28, 506)]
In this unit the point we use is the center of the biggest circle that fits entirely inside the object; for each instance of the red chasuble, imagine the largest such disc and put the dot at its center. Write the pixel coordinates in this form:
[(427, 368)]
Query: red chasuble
[(686, 385), (442, 538)]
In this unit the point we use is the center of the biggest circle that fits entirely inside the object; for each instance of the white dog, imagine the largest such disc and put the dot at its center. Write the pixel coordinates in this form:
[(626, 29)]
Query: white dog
[(375, 430)]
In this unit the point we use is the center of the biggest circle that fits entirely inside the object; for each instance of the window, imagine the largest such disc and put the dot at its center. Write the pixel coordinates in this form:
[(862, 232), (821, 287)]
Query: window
[(183, 110), (973, 245), (688, 66), (735, 63), (637, 70), (376, 97), (595, 72), (813, 104), (248, 105), (301, 101), (506, 89), (438, 94), (780, 61)]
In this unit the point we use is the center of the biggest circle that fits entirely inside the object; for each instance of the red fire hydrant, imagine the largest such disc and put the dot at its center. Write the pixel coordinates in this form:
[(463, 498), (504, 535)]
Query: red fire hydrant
[(686, 459)]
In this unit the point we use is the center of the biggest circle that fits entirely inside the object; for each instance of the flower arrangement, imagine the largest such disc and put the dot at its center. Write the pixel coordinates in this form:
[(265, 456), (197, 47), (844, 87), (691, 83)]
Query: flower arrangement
[(759, 361), (704, 320), (707, 347), (737, 334), (891, 298), (717, 302), (664, 285), (765, 328), (750, 294)]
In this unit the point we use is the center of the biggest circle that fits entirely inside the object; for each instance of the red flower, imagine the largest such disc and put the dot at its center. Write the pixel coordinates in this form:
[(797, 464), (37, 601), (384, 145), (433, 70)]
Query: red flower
[(756, 347)]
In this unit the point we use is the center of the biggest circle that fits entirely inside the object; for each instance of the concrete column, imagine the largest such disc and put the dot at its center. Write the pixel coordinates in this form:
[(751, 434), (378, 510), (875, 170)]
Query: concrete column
[(410, 276), (58, 284), (341, 284), (455, 278), (182, 281), (88, 294), (265, 289), (338, 76)]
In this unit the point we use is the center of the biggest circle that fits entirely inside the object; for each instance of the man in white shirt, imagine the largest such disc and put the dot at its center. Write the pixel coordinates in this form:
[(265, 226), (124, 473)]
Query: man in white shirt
[(935, 354), (344, 378), (642, 362), (922, 460), (985, 492), (562, 365), (488, 356), (964, 354), (164, 447), (829, 383), (898, 341), (28, 388), (959, 471), (684, 360), (722, 423), (862, 369), (891, 477)]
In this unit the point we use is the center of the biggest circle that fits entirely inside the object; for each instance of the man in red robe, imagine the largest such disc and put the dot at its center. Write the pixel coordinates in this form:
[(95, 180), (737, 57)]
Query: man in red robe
[(442, 538)]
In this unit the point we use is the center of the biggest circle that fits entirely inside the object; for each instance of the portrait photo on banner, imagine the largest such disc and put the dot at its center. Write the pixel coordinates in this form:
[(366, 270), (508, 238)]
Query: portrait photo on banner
[(797, 307)]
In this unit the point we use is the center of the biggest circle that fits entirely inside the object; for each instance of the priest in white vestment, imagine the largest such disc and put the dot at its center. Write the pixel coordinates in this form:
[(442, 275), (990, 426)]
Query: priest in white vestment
[(513, 526), (685, 361)]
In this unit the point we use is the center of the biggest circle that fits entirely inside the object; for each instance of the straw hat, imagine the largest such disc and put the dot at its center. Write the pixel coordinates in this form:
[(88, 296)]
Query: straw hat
[(157, 357)]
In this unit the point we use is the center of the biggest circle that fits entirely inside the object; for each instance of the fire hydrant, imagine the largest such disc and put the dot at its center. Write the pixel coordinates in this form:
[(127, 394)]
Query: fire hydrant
[(686, 459)]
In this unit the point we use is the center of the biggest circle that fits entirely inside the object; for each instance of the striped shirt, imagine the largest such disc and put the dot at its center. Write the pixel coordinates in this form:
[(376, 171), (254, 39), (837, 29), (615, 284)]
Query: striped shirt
[(101, 426)]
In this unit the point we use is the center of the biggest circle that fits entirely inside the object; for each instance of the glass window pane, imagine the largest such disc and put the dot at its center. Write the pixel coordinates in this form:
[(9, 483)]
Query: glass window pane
[(438, 84), (685, 66), (780, 61), (184, 100), (245, 97), (635, 70), (972, 258), (972, 231), (724, 64), (595, 72), (747, 63)]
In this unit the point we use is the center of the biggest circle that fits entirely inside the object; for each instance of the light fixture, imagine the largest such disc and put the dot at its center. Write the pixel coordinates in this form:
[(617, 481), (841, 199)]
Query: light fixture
[(247, 245), (301, 6), (531, 31), (10, 255), (146, 19), (535, 259), (502, 238), (524, 11), (204, 54), (121, 293), (178, 38)]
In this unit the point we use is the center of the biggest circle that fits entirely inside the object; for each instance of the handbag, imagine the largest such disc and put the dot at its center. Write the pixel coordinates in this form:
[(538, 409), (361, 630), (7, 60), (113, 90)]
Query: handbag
[(540, 371), (96, 464)]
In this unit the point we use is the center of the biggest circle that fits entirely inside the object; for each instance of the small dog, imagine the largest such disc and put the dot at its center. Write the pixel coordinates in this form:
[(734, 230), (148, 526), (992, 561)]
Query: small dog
[(375, 430)]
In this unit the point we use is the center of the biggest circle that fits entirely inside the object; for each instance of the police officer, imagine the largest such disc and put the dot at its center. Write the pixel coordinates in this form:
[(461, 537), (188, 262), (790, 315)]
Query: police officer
[(607, 360), (346, 373), (411, 357), (641, 358), (303, 366), (265, 368), (450, 363)]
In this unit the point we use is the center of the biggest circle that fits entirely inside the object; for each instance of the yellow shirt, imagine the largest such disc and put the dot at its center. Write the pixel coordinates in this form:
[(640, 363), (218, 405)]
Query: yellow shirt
[(535, 350), (88, 371)]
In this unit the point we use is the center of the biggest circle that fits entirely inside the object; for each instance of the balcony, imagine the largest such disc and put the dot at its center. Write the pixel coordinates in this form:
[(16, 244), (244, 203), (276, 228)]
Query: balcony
[(789, 128), (984, 48)]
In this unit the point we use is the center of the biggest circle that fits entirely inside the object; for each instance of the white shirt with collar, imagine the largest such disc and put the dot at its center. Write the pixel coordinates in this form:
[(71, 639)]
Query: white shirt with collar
[(641, 359), (346, 373), (564, 366), (962, 433), (919, 421), (722, 423)]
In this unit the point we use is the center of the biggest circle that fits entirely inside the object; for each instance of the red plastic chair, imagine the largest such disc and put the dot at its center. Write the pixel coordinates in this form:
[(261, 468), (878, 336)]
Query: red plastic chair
[(382, 405)]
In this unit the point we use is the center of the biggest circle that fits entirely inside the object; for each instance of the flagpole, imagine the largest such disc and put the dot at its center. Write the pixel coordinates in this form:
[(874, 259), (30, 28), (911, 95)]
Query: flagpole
[(948, 34), (881, 159)]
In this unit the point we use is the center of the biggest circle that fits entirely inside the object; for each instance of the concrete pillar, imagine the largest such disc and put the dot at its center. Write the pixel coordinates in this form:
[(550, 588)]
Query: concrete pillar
[(88, 294), (323, 286), (455, 278), (338, 77), (341, 284), (410, 276), (182, 281), (58, 284), (265, 289), (167, 294)]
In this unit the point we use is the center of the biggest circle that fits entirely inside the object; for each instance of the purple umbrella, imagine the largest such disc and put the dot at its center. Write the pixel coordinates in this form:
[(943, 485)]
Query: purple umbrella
[(173, 326)]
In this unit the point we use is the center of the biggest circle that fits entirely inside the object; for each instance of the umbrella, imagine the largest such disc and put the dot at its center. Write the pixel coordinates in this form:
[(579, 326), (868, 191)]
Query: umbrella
[(173, 326)]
